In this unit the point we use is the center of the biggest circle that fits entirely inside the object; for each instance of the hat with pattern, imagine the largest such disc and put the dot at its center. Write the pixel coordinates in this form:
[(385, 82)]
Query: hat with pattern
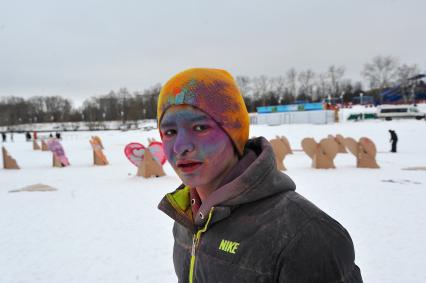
[(214, 92)]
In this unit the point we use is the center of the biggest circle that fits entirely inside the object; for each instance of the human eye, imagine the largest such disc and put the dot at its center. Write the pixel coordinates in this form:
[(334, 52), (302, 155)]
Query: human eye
[(201, 128), (169, 132)]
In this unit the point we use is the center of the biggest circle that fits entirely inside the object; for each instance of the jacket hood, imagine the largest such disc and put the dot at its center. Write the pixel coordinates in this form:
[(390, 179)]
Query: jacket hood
[(253, 178)]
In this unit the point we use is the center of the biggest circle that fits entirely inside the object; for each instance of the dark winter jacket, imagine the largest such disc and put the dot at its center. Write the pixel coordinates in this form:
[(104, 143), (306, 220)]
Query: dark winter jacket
[(394, 137), (256, 228)]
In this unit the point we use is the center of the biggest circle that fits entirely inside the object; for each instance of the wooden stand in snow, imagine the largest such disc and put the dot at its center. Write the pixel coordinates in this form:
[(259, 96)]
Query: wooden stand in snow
[(44, 146), (8, 161), (36, 145), (364, 151), (149, 167), (340, 140), (286, 143), (99, 157), (322, 153), (281, 149)]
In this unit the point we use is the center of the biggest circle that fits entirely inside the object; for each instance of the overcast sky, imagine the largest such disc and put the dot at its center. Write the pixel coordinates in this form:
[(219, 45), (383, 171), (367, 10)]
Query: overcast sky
[(82, 48)]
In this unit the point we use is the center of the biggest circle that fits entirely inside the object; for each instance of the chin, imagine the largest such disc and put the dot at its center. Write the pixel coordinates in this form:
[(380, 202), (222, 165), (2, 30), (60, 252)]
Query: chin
[(191, 182)]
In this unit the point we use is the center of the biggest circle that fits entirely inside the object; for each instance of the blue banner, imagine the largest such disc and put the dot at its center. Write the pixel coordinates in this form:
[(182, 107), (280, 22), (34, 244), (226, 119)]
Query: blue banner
[(291, 107)]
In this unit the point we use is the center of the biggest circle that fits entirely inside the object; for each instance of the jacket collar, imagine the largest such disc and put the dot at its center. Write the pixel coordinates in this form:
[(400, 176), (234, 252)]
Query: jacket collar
[(253, 178)]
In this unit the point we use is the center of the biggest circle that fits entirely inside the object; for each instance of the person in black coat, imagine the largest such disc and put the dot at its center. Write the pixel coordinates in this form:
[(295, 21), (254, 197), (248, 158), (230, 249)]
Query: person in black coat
[(393, 140)]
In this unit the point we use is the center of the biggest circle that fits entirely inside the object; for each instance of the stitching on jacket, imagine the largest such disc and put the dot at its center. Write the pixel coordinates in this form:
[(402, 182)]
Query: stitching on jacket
[(237, 265)]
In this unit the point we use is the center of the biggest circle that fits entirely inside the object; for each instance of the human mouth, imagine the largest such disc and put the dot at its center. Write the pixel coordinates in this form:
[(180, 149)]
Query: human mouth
[(188, 166)]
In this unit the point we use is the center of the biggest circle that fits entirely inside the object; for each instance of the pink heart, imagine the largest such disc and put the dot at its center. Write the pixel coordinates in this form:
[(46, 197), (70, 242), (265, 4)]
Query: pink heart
[(156, 149), (135, 152)]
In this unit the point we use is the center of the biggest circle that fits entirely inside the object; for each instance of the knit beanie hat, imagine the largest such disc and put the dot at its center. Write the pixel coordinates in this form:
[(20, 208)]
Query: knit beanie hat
[(214, 92)]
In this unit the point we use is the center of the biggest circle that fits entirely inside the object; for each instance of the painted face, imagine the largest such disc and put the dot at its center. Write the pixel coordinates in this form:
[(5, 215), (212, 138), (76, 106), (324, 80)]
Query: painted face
[(199, 151)]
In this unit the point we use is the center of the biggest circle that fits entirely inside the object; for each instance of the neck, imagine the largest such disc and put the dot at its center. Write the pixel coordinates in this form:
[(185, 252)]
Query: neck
[(205, 190)]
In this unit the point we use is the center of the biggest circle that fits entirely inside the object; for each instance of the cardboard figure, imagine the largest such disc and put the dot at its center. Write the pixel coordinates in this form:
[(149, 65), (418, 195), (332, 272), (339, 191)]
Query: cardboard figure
[(148, 160), (286, 143), (281, 149), (44, 146), (340, 140), (322, 153), (56, 162), (99, 157), (149, 167), (98, 141), (59, 159), (364, 151), (8, 161), (35, 145)]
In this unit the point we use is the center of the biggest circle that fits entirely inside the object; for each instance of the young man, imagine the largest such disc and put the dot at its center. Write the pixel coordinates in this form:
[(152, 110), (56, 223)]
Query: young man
[(237, 218)]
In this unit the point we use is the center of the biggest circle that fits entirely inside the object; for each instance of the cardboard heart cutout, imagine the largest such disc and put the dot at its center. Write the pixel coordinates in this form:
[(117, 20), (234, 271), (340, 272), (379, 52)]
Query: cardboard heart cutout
[(59, 155), (322, 153), (135, 152), (156, 149), (368, 146), (280, 150), (330, 147), (309, 146), (352, 145)]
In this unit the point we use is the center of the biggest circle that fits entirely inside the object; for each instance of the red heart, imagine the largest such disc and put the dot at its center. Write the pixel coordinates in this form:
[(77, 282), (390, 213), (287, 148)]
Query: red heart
[(135, 152)]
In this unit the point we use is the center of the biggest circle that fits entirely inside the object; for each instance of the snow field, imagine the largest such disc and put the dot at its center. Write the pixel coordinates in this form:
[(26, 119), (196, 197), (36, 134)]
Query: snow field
[(103, 225)]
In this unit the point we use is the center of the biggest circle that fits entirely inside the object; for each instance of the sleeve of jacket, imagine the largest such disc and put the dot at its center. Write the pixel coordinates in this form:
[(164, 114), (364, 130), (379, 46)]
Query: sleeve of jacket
[(321, 251)]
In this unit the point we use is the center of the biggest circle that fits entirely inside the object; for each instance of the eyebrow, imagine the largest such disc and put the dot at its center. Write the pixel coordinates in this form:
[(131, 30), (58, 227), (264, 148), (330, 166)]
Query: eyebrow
[(199, 118), (167, 124)]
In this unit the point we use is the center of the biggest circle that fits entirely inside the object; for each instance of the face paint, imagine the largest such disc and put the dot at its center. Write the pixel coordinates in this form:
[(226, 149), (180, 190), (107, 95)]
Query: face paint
[(199, 150)]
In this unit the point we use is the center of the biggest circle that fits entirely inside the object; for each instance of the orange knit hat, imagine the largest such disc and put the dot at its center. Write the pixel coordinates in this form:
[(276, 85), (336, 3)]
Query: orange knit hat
[(214, 92)]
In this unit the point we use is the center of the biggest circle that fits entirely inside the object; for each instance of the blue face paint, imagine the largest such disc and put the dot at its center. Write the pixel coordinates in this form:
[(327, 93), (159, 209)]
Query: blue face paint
[(198, 149)]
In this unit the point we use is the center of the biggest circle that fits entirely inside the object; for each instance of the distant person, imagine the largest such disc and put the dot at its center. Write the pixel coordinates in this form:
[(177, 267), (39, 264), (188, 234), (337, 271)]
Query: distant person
[(11, 136), (27, 136), (35, 135), (3, 136), (237, 217), (58, 135), (393, 140), (50, 135)]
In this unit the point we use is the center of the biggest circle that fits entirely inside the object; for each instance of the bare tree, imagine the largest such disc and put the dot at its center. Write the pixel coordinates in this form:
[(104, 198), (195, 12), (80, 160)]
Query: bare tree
[(306, 84), (404, 72), (261, 85), (244, 83), (335, 76), (323, 85), (278, 87), (381, 71), (291, 77)]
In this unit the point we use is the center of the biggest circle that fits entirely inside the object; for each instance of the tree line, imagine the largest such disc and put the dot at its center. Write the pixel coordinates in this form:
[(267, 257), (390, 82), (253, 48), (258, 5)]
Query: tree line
[(380, 73)]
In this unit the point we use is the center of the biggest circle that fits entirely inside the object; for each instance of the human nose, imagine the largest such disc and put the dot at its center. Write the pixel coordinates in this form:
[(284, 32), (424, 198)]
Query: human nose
[(183, 143)]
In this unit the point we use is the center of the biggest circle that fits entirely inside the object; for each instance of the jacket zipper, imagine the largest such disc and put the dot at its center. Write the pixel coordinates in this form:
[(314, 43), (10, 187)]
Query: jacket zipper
[(195, 241)]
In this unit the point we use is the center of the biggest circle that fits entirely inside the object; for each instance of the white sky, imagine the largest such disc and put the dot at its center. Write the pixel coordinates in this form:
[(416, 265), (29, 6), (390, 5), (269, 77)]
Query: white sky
[(78, 48)]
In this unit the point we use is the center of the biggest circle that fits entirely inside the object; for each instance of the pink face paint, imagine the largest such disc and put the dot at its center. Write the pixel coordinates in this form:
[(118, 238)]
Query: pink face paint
[(199, 150)]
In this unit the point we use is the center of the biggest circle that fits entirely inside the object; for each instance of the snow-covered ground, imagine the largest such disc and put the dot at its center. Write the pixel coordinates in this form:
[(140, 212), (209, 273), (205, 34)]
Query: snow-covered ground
[(103, 225)]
